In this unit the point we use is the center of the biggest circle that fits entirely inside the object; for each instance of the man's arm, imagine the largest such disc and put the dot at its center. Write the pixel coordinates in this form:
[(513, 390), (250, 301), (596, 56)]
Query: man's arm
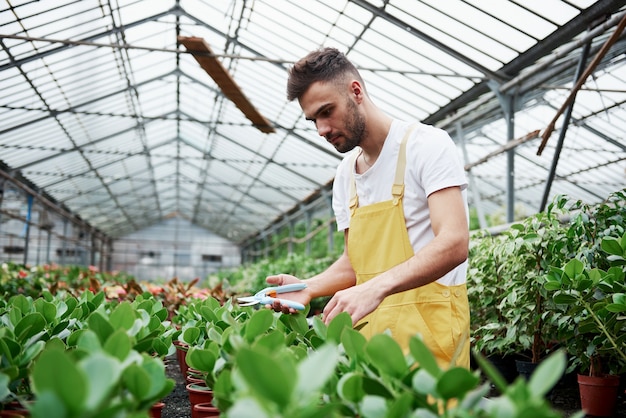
[(448, 249)]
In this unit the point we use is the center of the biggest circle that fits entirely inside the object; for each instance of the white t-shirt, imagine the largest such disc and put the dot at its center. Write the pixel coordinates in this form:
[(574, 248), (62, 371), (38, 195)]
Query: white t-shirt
[(432, 163)]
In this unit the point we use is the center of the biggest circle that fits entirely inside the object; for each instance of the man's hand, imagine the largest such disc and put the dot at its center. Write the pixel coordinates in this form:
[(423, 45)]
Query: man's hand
[(358, 301), (302, 296)]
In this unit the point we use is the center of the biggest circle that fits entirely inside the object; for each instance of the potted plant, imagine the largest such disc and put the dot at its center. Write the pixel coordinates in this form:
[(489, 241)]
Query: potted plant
[(510, 269), (594, 302), (490, 334)]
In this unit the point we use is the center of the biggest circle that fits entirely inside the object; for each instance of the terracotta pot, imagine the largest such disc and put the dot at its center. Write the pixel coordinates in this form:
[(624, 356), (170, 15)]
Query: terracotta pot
[(156, 409), (181, 353), (14, 409), (204, 410), (598, 394), (199, 393), (191, 379), (14, 413)]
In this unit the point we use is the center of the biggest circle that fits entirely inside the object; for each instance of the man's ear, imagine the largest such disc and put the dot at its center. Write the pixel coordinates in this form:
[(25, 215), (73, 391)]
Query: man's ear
[(357, 90)]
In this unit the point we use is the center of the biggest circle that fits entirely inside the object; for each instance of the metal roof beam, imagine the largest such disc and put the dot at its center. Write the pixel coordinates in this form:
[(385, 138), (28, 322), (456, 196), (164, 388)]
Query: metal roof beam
[(558, 38)]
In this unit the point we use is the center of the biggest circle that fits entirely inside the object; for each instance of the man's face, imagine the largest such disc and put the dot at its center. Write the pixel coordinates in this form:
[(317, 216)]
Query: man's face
[(336, 115)]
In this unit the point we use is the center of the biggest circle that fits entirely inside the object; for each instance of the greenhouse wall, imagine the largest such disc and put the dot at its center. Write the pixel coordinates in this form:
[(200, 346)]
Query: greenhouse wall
[(173, 248), (33, 234)]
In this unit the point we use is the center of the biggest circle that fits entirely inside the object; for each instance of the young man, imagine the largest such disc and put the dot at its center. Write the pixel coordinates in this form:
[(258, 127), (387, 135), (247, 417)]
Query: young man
[(399, 197)]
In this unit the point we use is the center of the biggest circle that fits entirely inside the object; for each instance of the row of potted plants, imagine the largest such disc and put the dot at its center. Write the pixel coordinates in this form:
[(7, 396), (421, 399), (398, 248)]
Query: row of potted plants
[(264, 364), (555, 280), (85, 356)]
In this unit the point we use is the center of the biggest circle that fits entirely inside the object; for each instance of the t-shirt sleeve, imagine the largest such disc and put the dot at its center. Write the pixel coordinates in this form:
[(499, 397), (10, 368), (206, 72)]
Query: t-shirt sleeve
[(442, 166), (340, 196)]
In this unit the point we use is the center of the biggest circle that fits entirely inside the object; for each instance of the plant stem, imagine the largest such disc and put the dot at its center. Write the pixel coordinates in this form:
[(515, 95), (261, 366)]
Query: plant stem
[(621, 353)]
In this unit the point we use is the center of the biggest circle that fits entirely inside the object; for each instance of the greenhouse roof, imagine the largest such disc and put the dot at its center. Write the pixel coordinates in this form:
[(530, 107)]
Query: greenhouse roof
[(106, 113)]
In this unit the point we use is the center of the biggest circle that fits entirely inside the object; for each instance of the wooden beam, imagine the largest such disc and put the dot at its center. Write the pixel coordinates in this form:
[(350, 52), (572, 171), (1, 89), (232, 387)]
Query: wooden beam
[(204, 55)]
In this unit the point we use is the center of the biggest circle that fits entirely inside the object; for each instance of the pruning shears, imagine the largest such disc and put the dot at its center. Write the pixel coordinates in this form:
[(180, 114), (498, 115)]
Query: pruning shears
[(268, 295)]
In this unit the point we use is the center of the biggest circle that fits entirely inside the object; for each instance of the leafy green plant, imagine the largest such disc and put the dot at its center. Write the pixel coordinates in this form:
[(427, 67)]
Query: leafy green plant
[(594, 301), (373, 379), (99, 380), (514, 312)]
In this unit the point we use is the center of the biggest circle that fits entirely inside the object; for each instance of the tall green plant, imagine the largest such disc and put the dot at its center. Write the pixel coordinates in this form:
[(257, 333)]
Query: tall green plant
[(594, 302)]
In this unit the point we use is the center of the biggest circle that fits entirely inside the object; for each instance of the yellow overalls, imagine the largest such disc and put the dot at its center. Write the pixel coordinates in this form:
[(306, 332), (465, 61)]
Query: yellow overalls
[(378, 240)]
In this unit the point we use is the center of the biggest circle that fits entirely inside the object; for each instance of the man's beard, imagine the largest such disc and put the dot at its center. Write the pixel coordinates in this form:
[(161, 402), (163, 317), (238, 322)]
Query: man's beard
[(354, 128)]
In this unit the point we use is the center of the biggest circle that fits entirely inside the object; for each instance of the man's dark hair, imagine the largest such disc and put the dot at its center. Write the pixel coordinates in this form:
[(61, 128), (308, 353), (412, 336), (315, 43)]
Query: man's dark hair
[(326, 64)]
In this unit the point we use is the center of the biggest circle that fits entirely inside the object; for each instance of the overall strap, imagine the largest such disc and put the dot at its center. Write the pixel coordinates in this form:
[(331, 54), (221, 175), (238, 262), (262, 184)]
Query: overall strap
[(354, 198), (397, 190)]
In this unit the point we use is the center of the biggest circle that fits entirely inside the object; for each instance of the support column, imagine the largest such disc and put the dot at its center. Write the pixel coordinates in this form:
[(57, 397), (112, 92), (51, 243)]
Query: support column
[(473, 187), (508, 103), (27, 228)]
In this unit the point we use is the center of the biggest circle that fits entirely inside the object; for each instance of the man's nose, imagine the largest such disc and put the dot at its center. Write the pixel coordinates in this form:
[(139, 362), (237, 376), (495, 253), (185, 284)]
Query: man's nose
[(323, 129)]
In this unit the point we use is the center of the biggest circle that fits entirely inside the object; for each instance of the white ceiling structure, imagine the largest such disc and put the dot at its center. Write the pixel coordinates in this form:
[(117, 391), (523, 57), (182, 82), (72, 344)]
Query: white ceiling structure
[(103, 111)]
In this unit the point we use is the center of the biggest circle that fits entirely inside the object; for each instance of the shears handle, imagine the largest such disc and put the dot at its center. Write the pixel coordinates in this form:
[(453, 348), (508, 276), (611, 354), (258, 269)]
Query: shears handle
[(271, 292), (294, 287), (270, 301)]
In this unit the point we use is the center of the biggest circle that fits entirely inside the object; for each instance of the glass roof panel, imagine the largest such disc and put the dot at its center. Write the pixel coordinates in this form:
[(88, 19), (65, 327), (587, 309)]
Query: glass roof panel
[(114, 114)]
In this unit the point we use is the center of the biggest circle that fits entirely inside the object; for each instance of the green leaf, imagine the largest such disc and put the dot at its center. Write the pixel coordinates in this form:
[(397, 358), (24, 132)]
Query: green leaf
[(272, 379), (547, 374), (350, 387), (103, 376), (612, 246), (401, 406), (190, 335), (100, 326), (208, 314), (259, 323), (320, 328), (123, 316), (9, 348), (74, 337), (48, 405), (337, 325), (385, 353), (315, 370), (137, 381), (573, 268), (31, 352), (4, 386), (424, 382), (118, 344), (89, 340), (297, 323), (372, 386), (22, 303), (616, 307), (354, 344), (160, 385), (29, 326), (456, 382), (201, 359), (273, 340), (71, 389), (47, 309), (373, 407), (565, 299), (423, 356)]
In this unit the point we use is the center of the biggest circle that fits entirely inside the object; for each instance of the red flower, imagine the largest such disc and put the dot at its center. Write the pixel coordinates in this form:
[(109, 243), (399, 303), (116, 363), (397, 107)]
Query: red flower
[(23, 274)]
